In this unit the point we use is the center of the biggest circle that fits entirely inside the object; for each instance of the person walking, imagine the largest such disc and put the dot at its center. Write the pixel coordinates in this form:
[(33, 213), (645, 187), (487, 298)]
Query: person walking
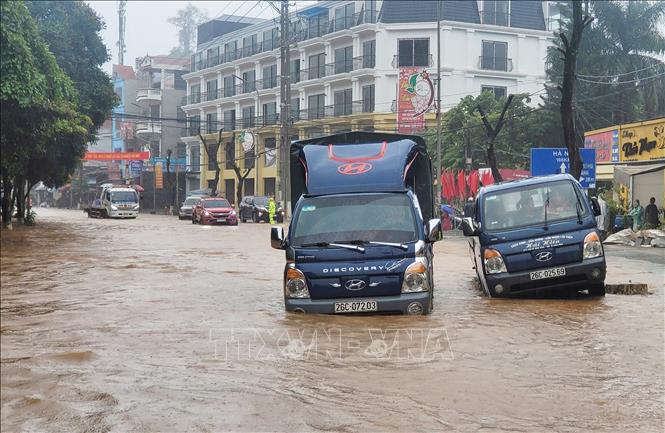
[(602, 220), (272, 208), (637, 212), (651, 213)]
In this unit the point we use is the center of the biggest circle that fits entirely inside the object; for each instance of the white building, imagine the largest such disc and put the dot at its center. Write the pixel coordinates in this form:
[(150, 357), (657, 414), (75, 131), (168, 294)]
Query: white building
[(345, 68)]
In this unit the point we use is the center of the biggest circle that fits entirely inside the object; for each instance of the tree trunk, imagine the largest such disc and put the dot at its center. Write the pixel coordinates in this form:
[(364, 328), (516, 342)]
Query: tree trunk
[(18, 196), (493, 163), (7, 201), (241, 187), (567, 88)]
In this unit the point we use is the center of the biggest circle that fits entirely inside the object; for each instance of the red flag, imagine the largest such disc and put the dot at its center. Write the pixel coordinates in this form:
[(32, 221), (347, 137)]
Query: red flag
[(473, 182), (461, 185)]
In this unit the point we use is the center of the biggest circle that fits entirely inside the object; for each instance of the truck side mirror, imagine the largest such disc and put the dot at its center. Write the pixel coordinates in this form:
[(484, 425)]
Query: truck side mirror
[(468, 227), (277, 238), (595, 206), (434, 230)]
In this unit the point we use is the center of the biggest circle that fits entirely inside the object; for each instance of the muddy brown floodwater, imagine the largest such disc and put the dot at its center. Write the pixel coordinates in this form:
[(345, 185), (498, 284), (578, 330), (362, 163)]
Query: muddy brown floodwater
[(157, 324)]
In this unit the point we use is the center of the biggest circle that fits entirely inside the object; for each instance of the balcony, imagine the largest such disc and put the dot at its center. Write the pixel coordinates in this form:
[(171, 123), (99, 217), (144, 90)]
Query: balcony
[(148, 129), (495, 63), (423, 61), (148, 95), (337, 110)]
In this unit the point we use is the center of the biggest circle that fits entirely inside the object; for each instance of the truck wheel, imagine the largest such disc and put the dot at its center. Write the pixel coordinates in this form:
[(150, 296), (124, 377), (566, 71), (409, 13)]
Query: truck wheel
[(597, 290)]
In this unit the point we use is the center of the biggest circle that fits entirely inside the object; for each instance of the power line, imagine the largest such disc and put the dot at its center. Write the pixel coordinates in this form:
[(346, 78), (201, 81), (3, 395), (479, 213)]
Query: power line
[(620, 74), (612, 83)]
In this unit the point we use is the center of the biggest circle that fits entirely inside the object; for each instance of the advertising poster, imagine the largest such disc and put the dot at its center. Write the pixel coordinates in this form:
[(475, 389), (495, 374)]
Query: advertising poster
[(415, 94), (159, 178), (643, 141), (606, 145)]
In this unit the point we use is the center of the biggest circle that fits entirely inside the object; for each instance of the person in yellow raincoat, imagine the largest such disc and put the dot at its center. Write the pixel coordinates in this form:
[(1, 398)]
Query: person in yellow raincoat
[(272, 208)]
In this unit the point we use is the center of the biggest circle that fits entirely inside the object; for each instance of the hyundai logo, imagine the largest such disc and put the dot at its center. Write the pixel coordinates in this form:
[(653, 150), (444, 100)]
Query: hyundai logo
[(544, 256), (354, 285)]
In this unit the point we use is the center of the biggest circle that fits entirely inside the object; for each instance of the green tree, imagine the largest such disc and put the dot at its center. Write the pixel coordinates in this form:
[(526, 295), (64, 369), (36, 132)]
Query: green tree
[(40, 127), (186, 21), (464, 134), (72, 31)]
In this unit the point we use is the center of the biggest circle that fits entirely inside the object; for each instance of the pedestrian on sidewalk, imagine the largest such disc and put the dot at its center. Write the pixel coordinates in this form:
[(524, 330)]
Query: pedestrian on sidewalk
[(651, 214), (602, 220), (637, 212)]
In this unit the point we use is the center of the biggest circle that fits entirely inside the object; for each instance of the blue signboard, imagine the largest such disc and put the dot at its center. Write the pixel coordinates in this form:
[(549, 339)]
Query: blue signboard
[(553, 161)]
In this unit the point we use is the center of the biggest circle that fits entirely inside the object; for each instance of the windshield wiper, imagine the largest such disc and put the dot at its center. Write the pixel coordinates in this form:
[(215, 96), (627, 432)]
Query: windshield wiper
[(388, 244), (547, 205), (334, 244)]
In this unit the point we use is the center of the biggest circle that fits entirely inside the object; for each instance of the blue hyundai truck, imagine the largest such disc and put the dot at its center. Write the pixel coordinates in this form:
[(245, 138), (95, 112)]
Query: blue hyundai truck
[(535, 235), (363, 226)]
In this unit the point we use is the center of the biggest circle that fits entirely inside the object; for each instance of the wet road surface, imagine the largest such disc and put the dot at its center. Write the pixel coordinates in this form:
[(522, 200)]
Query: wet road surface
[(157, 324)]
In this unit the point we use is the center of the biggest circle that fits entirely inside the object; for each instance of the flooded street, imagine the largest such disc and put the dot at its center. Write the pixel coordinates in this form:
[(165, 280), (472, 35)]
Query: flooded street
[(156, 324)]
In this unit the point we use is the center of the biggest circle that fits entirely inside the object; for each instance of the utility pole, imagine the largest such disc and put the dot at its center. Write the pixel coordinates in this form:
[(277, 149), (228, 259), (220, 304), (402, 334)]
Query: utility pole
[(285, 102), (438, 102), (121, 31)]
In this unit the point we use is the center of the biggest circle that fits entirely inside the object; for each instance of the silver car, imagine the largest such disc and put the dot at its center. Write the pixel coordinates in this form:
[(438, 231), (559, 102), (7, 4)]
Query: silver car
[(186, 207)]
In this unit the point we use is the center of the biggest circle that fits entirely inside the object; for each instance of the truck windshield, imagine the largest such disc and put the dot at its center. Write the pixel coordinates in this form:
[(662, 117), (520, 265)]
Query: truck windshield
[(123, 196), (533, 205), (367, 217)]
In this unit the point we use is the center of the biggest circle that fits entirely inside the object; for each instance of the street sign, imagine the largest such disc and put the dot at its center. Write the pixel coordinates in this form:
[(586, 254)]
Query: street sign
[(135, 168), (554, 161)]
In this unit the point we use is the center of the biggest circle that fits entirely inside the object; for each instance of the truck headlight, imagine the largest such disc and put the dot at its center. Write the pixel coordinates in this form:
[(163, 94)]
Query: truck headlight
[(114, 207), (415, 278), (296, 285), (493, 262), (592, 246), (136, 207)]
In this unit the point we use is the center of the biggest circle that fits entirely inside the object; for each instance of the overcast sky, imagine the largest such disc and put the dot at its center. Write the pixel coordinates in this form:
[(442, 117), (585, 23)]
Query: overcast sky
[(147, 28)]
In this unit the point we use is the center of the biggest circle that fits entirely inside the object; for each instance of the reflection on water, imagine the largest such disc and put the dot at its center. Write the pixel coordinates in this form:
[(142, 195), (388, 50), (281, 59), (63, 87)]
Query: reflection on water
[(156, 324)]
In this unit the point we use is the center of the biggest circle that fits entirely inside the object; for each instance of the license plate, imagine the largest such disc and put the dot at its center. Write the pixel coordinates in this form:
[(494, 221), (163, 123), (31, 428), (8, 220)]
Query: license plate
[(356, 306), (221, 220), (547, 273)]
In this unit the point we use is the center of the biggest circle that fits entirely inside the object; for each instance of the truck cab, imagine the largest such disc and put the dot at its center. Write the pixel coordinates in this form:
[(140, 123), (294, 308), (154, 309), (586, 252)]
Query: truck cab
[(363, 226), (535, 235)]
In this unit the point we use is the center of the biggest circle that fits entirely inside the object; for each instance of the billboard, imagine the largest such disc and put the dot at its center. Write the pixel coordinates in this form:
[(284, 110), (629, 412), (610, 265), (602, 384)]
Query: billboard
[(113, 156), (159, 179), (606, 145), (644, 141), (415, 94)]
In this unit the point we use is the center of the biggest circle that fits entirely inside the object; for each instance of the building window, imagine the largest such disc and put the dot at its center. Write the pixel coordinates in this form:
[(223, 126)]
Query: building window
[(230, 51), (194, 125), (343, 102), (344, 17), (211, 123), (369, 11), (295, 71), (369, 54), (250, 158), (249, 81), (495, 12), (495, 56), (211, 90), (269, 113), (229, 120), (413, 52), (249, 45), (295, 109), (154, 113), (154, 149), (498, 91), (343, 60), (178, 82), (270, 77), (181, 151), (229, 86), (195, 158), (317, 25), (316, 106), (270, 39), (269, 186), (230, 154), (211, 184), (195, 94), (212, 56), (230, 190), (212, 156), (270, 145), (248, 120), (317, 66), (368, 98)]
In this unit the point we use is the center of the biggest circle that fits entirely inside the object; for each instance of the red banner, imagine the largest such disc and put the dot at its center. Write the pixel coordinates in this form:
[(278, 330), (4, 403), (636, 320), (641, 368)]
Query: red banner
[(112, 156), (414, 97)]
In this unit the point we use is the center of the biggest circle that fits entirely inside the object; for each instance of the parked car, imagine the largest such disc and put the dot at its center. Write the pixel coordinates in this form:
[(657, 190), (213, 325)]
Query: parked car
[(185, 211), (255, 208), (213, 210), (537, 234)]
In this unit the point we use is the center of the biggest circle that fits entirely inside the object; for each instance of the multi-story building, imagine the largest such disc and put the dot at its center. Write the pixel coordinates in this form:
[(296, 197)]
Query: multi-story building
[(159, 97), (344, 71)]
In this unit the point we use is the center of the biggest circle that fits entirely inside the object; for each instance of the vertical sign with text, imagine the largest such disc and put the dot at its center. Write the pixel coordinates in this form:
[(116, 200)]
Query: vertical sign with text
[(159, 179)]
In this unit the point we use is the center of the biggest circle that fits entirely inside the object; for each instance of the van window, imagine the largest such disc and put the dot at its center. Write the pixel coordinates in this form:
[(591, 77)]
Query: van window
[(511, 209), (367, 217)]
